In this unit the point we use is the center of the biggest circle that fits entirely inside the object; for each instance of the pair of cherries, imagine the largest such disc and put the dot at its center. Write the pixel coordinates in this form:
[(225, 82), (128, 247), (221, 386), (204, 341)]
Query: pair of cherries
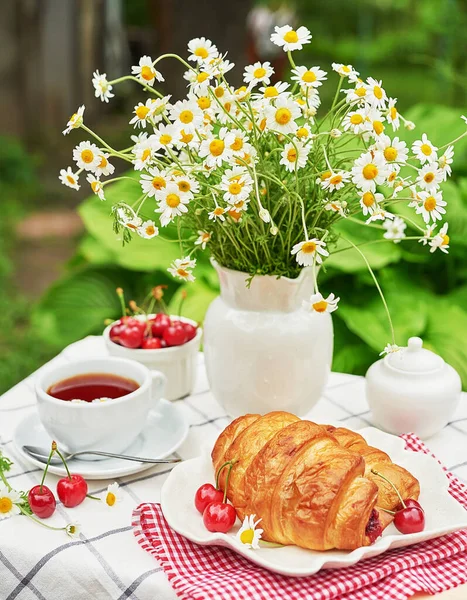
[(158, 332), (71, 491), (210, 501)]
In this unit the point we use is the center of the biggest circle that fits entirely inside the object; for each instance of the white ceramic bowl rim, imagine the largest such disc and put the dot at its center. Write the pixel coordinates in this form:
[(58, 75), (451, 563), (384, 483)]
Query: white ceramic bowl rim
[(104, 405), (156, 351)]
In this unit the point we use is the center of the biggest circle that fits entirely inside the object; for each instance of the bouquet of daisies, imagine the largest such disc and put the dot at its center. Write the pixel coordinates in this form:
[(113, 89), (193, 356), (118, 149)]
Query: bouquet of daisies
[(257, 173)]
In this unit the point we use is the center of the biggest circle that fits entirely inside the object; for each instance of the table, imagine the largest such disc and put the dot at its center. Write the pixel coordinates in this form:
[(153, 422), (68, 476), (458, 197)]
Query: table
[(105, 561)]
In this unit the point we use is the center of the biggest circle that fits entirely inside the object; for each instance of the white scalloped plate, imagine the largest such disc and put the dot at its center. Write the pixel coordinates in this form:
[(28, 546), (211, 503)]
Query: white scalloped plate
[(442, 513)]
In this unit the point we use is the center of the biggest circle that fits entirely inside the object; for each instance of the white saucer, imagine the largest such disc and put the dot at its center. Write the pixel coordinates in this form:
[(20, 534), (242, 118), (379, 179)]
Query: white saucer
[(165, 431)]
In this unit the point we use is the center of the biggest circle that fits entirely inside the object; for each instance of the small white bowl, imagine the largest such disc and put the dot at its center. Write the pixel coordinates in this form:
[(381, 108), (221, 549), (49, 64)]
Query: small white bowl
[(178, 363)]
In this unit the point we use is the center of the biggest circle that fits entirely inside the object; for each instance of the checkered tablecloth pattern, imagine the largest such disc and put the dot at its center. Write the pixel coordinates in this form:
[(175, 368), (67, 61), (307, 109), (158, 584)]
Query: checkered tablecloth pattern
[(209, 573), (106, 562)]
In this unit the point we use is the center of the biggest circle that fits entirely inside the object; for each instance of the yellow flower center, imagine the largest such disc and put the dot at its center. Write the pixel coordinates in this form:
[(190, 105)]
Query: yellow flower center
[(320, 306), (104, 162), (110, 499), (237, 144), (5, 505), (219, 91), (426, 149), (216, 147), (428, 177), (283, 116), (302, 132), (150, 230), (356, 119), (292, 155), (165, 139), (258, 73), (392, 176), (73, 117), (378, 127), (147, 73), (445, 240), (239, 204), (183, 273), (271, 92), (201, 77), (335, 180), (308, 77), (309, 247), (390, 153), (146, 154), (158, 182), (235, 188), (70, 179), (291, 37), (201, 52), (360, 92), (370, 171), (235, 215), (378, 92), (204, 102), (172, 200), (368, 199), (300, 101), (186, 137), (393, 113), (184, 186), (430, 203), (95, 186), (247, 536), (141, 112), (87, 156), (186, 116), (326, 175), (346, 68), (206, 237), (218, 211)]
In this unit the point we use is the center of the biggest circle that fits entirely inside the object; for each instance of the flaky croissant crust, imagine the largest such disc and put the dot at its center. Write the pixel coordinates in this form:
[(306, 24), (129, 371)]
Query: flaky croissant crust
[(311, 484)]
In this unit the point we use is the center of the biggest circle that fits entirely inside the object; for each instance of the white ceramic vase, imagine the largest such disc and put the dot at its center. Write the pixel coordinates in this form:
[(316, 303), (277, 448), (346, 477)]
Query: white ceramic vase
[(263, 350)]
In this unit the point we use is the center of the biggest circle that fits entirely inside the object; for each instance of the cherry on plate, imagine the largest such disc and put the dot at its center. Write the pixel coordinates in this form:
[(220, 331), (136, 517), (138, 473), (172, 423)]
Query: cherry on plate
[(175, 335), (190, 330), (42, 501), (132, 336), (410, 503), (410, 520), (159, 324), (219, 517), (206, 494), (151, 343), (72, 491)]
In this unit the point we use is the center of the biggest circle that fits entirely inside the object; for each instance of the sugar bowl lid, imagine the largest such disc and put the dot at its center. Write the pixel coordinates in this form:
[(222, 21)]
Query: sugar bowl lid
[(414, 358)]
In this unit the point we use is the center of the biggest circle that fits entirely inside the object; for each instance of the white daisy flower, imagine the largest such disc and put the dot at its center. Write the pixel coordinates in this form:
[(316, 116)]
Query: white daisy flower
[(369, 202), (356, 121), (431, 207), (445, 162), (389, 348), (87, 156), (104, 167), (75, 121), (73, 529), (172, 203), (309, 251), (304, 134), (393, 151), (217, 213), (272, 91), (102, 88), (375, 94), (428, 234), (112, 495), (146, 72), (186, 185), (142, 114), (356, 94), (239, 143), (237, 184), (335, 181), (258, 73), (294, 156), (392, 114), (199, 80), (337, 206), (96, 186), (145, 153), (148, 230), (441, 240), (68, 178), (410, 125), (220, 66), (429, 177), (424, 150), (153, 181), (248, 535), (379, 214), (166, 136), (216, 150), (289, 39), (181, 268), (281, 117), (375, 124), (369, 170), (186, 114), (9, 500), (391, 179), (313, 77), (321, 305), (202, 50), (395, 229), (203, 239), (345, 71), (158, 108), (127, 217)]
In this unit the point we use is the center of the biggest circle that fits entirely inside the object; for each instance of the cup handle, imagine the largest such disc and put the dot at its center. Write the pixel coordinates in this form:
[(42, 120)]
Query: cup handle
[(159, 381)]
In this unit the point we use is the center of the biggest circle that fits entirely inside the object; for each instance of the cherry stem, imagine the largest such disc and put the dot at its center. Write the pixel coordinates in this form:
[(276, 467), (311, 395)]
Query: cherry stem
[(121, 297), (229, 462), (26, 514), (64, 463), (52, 450), (92, 497), (391, 512), (227, 481), (392, 485)]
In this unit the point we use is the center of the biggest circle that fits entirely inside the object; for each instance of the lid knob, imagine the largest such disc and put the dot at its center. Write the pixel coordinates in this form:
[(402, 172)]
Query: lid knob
[(415, 358), (415, 344)]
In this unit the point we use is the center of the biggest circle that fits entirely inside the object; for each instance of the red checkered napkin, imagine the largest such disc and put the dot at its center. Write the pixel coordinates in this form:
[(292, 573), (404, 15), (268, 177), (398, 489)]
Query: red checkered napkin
[(214, 573)]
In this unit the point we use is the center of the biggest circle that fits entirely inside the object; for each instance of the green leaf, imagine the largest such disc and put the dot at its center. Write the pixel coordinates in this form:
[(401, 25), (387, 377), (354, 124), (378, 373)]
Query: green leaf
[(199, 296), (351, 354), (94, 252)]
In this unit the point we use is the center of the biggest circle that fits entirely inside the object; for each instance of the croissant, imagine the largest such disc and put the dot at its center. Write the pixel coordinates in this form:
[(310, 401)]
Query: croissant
[(310, 484)]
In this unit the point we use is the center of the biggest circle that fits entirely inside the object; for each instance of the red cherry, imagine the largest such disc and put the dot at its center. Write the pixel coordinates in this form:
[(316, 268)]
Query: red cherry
[(410, 520), (116, 330), (190, 330), (132, 336), (42, 501), (151, 343), (410, 503), (72, 491), (206, 494), (175, 335), (219, 516), (159, 323)]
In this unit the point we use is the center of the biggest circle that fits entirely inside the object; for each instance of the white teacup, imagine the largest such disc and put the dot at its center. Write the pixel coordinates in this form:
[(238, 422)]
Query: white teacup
[(110, 426)]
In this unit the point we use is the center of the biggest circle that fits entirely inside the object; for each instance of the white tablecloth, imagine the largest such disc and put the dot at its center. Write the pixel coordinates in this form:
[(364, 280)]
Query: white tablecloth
[(105, 561)]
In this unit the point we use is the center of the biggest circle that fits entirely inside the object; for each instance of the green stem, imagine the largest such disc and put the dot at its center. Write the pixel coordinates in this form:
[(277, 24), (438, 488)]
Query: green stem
[(52, 450), (64, 463), (26, 514), (392, 485), (229, 462), (227, 482), (5, 481)]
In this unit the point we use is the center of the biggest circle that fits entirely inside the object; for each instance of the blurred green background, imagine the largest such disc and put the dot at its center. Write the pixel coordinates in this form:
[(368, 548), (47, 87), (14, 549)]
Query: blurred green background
[(60, 261)]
